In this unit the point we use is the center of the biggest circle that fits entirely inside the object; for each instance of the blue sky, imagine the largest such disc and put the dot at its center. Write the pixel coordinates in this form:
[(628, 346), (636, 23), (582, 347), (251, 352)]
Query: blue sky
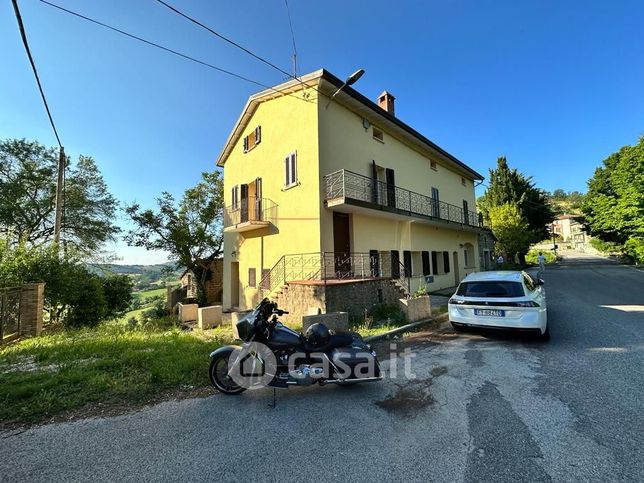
[(554, 86)]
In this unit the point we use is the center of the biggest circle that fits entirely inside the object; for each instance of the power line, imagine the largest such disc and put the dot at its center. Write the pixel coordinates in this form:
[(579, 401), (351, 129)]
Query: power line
[(222, 37), (166, 49), (290, 23), (235, 44), (33, 67)]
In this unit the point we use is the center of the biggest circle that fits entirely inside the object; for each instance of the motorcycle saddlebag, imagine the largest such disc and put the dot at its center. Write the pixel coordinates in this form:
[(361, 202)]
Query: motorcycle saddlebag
[(354, 363)]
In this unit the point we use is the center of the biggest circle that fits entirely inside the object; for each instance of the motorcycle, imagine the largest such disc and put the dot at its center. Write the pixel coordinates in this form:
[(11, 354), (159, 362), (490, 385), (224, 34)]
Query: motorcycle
[(274, 355)]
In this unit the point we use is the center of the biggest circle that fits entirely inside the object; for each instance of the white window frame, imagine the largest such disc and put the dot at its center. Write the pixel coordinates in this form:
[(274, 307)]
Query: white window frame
[(290, 170)]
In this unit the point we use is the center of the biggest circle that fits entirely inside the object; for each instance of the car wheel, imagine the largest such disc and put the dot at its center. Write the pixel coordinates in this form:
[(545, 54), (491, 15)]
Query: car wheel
[(545, 336)]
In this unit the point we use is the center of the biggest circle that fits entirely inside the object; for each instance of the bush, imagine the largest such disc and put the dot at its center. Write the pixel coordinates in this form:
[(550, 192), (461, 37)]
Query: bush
[(531, 257), (117, 290), (605, 247)]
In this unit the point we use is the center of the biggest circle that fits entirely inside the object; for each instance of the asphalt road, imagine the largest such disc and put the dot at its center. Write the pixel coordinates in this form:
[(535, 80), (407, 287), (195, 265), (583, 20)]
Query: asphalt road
[(481, 408)]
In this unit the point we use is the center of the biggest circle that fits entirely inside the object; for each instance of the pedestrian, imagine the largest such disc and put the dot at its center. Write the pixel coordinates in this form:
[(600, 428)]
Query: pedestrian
[(542, 264), (499, 261)]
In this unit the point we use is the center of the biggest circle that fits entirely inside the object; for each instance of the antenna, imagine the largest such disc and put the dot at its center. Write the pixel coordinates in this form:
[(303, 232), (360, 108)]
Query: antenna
[(290, 23)]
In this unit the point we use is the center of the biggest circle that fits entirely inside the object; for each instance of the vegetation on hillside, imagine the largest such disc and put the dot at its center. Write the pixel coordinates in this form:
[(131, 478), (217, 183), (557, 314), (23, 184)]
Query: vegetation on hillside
[(614, 205), (511, 201)]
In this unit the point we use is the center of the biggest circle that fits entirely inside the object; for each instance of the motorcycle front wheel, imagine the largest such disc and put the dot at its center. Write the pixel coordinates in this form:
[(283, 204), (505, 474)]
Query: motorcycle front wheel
[(219, 377)]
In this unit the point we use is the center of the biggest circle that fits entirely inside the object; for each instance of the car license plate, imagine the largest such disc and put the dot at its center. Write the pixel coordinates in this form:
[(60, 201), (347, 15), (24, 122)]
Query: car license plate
[(489, 312)]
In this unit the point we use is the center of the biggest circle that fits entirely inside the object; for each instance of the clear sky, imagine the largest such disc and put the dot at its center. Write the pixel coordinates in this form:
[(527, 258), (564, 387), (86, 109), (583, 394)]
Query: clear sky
[(555, 86)]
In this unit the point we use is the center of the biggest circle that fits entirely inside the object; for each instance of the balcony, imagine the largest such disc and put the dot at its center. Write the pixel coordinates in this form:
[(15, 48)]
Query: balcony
[(249, 214), (345, 188)]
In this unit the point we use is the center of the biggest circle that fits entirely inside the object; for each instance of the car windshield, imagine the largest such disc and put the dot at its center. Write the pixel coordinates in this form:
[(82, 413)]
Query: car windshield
[(490, 289)]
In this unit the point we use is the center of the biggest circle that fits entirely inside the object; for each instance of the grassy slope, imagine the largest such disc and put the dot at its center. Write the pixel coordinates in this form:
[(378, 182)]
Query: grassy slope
[(45, 376)]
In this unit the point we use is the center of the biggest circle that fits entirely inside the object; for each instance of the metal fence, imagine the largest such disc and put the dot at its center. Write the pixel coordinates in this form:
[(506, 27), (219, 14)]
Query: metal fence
[(326, 266), (346, 184), (9, 312), (250, 209)]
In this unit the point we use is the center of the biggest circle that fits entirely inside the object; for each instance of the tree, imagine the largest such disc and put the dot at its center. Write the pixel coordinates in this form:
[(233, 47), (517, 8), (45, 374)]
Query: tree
[(614, 205), (191, 230), (510, 186), (28, 193), (117, 291), (510, 229), (73, 295)]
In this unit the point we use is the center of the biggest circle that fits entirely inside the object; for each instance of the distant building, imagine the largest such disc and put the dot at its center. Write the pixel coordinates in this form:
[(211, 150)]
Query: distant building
[(570, 230)]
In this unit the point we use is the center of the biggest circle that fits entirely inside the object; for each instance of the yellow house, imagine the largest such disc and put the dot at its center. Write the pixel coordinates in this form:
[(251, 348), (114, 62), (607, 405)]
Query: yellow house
[(322, 190)]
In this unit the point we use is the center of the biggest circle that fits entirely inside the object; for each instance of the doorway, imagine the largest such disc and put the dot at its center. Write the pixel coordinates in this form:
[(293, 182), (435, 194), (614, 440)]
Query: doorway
[(457, 272), (234, 284), (341, 244)]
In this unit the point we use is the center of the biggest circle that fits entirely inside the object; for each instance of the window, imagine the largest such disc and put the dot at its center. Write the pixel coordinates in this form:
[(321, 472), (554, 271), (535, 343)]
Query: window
[(378, 135), (407, 263), (251, 277), (468, 252), (433, 165), (253, 139), (440, 263), (290, 170), (235, 197), (426, 266), (490, 289), (463, 181), (395, 264)]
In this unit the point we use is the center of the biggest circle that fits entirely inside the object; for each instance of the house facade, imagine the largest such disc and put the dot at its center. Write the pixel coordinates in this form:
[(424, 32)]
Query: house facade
[(340, 190)]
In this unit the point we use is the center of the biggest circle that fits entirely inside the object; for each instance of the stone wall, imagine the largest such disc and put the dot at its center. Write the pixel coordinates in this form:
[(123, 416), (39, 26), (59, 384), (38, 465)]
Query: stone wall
[(304, 298)]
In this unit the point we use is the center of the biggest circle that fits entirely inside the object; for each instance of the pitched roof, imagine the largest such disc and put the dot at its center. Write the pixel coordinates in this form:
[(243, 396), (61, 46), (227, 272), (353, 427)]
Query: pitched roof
[(313, 80)]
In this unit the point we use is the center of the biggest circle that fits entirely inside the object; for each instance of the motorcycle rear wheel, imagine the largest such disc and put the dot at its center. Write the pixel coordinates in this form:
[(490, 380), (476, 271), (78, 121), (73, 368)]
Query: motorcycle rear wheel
[(218, 372)]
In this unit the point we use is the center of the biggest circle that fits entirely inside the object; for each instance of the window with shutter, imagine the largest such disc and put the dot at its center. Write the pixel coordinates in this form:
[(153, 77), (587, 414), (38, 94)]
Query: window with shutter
[(435, 263), (407, 262), (426, 267), (290, 170), (253, 139), (235, 197), (251, 277), (445, 262)]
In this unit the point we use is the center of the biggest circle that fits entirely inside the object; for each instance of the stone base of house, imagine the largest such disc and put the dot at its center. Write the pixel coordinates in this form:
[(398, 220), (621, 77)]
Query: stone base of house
[(355, 297)]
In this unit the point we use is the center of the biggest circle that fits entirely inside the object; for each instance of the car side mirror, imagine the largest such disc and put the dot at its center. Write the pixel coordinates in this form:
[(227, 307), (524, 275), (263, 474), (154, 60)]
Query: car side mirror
[(540, 281)]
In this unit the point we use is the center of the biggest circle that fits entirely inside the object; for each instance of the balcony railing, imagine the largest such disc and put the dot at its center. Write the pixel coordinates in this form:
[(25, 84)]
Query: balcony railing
[(349, 185), (250, 211)]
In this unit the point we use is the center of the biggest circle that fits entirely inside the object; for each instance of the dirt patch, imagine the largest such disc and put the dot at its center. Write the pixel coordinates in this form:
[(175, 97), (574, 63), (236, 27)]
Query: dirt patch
[(408, 399), (438, 371)]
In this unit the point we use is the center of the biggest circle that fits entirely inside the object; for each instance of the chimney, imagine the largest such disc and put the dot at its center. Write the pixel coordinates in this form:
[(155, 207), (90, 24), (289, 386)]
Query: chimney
[(386, 102)]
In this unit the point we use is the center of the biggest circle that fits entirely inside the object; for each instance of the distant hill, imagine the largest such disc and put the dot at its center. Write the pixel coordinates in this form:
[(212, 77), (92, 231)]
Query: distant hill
[(144, 276)]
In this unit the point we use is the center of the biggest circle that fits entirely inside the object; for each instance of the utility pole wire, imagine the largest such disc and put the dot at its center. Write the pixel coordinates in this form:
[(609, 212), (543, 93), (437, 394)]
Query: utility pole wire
[(222, 37), (290, 23), (33, 67), (166, 49), (60, 181)]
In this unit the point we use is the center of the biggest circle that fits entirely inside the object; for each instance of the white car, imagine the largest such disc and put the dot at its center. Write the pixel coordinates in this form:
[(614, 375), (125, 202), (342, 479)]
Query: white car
[(500, 300)]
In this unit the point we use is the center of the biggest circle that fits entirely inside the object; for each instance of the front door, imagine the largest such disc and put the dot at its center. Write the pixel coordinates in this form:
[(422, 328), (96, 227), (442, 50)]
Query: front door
[(341, 244), (391, 188)]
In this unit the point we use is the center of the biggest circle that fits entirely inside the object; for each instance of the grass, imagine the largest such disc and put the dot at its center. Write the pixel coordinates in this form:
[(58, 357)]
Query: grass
[(45, 376), (144, 295)]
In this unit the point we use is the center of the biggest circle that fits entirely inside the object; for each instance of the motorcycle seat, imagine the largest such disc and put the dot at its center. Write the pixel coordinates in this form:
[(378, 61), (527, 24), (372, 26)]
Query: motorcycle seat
[(337, 340)]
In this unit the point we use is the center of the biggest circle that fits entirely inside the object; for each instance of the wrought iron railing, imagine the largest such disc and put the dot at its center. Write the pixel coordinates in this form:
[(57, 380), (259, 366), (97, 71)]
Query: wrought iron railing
[(250, 209), (326, 266), (346, 184)]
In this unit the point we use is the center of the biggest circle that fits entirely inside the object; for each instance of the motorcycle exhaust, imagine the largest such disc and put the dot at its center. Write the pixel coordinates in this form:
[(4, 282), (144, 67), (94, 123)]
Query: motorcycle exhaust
[(355, 379)]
